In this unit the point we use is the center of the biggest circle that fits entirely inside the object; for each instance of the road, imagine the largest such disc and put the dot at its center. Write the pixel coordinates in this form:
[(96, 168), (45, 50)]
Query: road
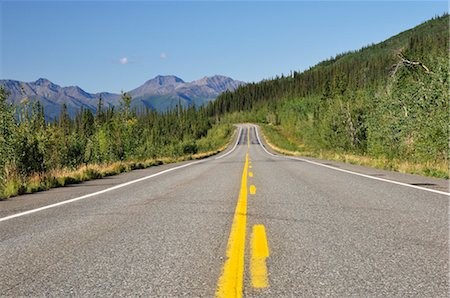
[(246, 222)]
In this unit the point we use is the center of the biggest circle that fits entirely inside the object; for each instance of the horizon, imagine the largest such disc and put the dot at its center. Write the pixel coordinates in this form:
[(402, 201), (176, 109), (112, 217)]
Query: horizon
[(102, 56)]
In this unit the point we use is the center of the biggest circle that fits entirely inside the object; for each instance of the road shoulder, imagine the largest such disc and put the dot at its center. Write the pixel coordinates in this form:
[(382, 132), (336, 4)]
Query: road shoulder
[(410, 179)]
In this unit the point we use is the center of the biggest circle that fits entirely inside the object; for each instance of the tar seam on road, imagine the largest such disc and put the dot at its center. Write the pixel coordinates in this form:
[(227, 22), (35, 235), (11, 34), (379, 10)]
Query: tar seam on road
[(112, 188), (350, 172)]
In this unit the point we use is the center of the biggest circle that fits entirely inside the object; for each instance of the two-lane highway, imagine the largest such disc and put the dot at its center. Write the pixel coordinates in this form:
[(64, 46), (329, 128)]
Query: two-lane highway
[(243, 223)]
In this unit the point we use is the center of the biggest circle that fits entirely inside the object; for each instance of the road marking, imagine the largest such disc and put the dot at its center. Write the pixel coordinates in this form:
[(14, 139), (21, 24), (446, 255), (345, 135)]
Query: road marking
[(350, 172), (250, 174), (264, 147), (112, 188), (260, 251), (98, 192), (235, 145), (252, 189), (230, 282)]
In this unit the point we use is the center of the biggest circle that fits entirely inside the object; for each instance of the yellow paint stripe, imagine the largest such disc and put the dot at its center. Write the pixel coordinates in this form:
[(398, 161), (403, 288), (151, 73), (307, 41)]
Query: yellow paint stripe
[(230, 282), (260, 251), (248, 137), (250, 174), (252, 189)]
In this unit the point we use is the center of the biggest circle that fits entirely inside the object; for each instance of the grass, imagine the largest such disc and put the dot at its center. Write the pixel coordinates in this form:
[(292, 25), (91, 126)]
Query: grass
[(283, 143), (14, 185), (38, 182)]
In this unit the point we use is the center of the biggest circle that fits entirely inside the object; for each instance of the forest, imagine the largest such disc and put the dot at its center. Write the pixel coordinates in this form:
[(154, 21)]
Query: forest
[(37, 155), (386, 103)]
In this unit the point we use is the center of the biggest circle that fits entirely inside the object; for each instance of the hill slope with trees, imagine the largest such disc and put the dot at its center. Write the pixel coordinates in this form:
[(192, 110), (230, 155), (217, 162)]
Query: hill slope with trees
[(388, 100)]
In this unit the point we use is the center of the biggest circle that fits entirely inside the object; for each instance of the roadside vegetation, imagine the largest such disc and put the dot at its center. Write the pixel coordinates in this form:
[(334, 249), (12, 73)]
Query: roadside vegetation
[(280, 141), (37, 155), (386, 105)]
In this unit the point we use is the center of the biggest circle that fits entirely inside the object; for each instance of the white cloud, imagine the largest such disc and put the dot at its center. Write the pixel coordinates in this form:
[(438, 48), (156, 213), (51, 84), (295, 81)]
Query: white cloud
[(124, 60), (163, 55)]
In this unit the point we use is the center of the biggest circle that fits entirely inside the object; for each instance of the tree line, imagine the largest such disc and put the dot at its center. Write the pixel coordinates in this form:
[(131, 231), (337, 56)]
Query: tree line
[(388, 99), (29, 144)]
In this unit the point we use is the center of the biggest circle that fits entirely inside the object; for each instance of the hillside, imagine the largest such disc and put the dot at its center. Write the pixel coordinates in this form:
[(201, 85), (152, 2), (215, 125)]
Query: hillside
[(368, 67), (388, 100), (160, 93)]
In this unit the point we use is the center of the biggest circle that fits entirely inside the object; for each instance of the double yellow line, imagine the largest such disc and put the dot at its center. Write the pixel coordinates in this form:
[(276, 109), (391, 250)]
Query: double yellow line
[(231, 281)]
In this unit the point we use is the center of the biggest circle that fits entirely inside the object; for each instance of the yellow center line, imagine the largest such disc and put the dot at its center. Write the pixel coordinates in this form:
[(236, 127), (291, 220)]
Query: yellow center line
[(260, 251), (230, 282)]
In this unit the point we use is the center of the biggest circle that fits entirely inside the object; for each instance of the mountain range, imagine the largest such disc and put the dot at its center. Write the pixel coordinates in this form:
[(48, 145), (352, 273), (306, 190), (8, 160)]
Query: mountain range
[(160, 93)]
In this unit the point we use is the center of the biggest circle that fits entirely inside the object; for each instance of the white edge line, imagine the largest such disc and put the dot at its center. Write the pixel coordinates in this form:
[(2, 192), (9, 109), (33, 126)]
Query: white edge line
[(96, 193), (262, 145), (234, 147), (350, 172), (108, 189)]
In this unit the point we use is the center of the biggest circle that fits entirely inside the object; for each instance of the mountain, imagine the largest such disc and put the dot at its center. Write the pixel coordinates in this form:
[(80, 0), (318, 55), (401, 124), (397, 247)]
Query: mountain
[(164, 92), (52, 96), (160, 93), (159, 85)]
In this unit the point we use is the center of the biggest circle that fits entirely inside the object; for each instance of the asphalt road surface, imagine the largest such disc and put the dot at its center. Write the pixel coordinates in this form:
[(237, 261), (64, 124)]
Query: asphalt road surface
[(246, 222)]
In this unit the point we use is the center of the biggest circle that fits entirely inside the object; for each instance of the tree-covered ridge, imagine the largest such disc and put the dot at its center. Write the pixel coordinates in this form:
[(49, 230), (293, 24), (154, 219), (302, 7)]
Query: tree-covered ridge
[(31, 148), (368, 67), (388, 99)]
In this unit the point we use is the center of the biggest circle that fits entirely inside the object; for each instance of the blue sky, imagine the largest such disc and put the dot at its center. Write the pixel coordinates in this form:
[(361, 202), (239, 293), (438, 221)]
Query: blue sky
[(113, 46)]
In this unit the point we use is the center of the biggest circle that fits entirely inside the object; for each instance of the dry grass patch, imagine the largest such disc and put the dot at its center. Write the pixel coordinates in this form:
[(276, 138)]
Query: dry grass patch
[(14, 185), (439, 169)]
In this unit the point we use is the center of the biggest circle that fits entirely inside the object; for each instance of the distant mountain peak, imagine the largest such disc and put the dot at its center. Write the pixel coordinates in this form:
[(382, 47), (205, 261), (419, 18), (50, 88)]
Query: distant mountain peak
[(160, 93), (218, 83), (164, 80), (43, 82), (168, 77)]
